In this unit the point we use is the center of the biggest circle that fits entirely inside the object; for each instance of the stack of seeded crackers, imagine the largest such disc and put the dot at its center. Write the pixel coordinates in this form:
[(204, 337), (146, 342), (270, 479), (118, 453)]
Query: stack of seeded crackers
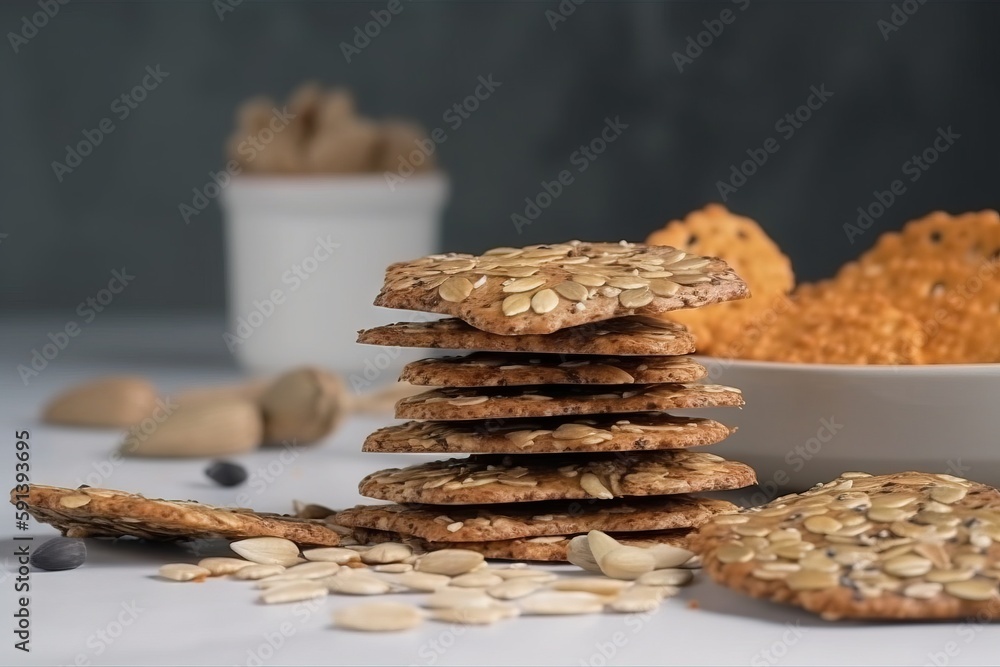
[(560, 409)]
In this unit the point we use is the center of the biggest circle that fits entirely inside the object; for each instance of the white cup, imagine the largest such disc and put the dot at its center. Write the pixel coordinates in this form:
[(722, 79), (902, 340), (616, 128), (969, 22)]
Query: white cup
[(306, 257)]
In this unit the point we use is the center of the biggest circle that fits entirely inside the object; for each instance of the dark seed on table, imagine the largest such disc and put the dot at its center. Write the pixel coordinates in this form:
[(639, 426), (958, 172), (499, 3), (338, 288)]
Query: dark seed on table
[(226, 473), (59, 553)]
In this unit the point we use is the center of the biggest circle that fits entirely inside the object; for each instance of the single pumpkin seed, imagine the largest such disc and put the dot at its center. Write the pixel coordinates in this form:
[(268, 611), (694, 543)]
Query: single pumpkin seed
[(666, 577), (562, 603), (379, 617), (183, 572), (387, 552), (220, 566), (523, 285), (312, 570), (571, 290), (356, 585), (484, 579), (455, 289), (544, 301), (596, 585), (450, 562), (637, 599), (337, 555), (512, 589), (516, 304), (635, 298), (267, 550), (256, 571), (475, 615)]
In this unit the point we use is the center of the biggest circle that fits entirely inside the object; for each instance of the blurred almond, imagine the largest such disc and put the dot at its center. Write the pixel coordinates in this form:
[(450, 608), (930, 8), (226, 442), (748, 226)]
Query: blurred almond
[(116, 401), (302, 406), (208, 428), (347, 148), (336, 109), (251, 390), (398, 141)]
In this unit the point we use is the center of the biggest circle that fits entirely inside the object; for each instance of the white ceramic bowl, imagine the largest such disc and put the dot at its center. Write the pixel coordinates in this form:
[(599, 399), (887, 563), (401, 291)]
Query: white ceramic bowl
[(804, 424), (306, 257)]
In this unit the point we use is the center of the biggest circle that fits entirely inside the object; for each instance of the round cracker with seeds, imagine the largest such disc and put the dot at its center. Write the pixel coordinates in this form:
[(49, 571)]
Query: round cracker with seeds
[(972, 237), (486, 369), (644, 431), (551, 548), (621, 336), (746, 247), (544, 288), (92, 512), (956, 303), (828, 325), (461, 403), (524, 520), (915, 546), (484, 479)]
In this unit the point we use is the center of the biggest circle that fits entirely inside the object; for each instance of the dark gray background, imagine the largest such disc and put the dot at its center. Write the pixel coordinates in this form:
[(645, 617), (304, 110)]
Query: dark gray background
[(120, 207)]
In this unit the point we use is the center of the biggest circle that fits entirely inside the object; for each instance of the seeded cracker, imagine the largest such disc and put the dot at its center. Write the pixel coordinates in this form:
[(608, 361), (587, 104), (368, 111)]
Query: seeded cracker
[(541, 289), (972, 237), (826, 325), (747, 248), (523, 520), (552, 400), (913, 546), (956, 303), (484, 369), (620, 336), (494, 479), (90, 512), (548, 548), (613, 433)]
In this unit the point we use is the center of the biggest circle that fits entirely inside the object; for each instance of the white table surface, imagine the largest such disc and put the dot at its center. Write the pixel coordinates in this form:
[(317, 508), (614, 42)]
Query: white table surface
[(76, 616)]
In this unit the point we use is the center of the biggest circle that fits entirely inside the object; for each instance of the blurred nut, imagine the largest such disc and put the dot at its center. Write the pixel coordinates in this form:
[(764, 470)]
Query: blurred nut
[(335, 110), (302, 406), (116, 401), (347, 148), (399, 139), (283, 154), (209, 428), (251, 390)]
